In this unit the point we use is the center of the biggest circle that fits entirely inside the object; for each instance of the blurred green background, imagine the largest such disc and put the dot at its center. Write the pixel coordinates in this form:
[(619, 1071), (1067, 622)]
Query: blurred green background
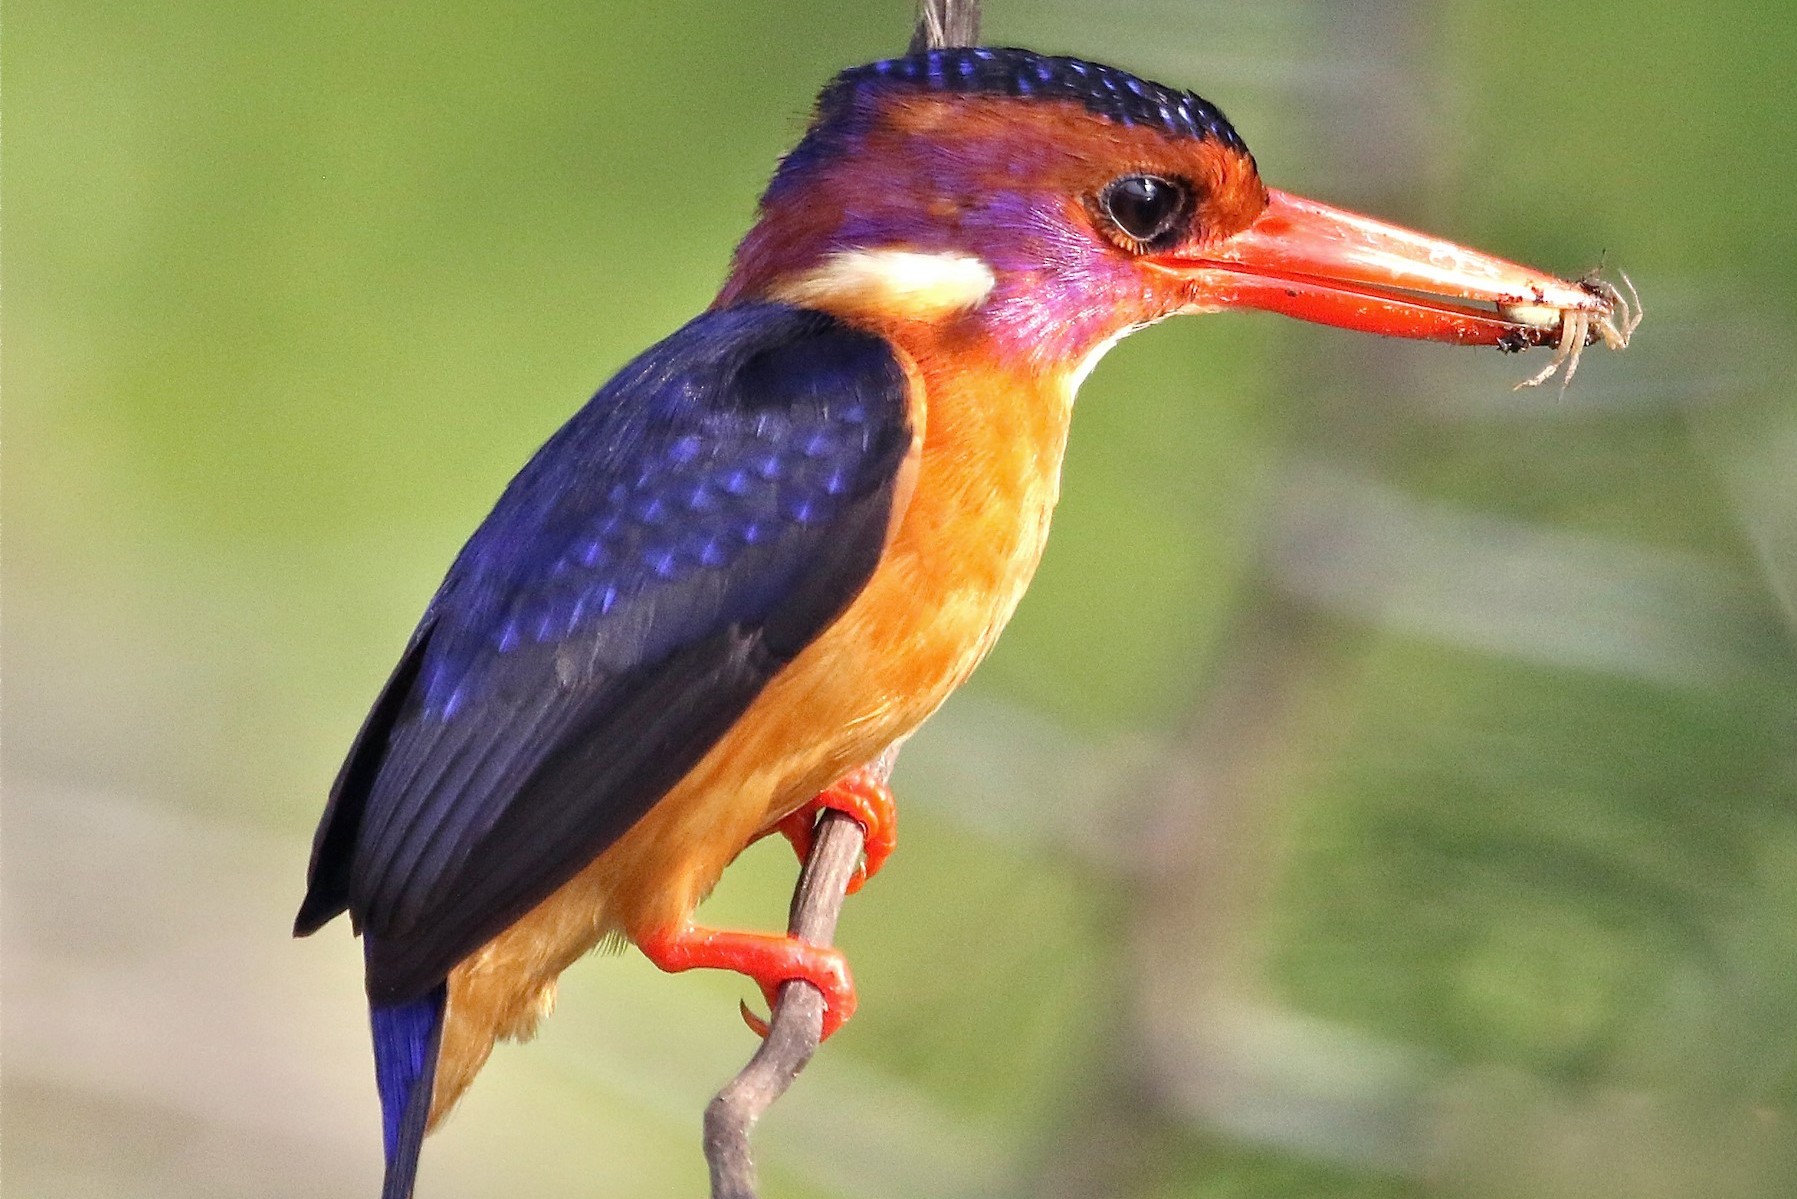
[(1388, 788)]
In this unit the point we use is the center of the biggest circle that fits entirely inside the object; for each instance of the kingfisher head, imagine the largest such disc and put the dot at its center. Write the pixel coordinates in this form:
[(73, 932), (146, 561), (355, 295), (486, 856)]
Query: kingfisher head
[(1041, 207)]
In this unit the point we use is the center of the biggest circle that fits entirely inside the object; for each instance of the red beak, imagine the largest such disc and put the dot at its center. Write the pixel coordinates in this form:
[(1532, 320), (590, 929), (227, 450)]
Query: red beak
[(1324, 264)]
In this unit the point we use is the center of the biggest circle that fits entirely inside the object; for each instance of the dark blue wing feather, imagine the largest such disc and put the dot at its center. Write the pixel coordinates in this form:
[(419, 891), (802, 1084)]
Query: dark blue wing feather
[(711, 510)]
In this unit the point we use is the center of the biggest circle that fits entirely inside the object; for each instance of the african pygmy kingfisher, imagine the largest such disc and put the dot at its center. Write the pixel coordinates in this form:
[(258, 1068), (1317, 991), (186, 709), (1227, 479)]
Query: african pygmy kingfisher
[(775, 542)]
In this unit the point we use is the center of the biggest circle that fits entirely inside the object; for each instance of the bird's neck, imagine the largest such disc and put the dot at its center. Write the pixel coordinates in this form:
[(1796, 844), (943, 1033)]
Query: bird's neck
[(994, 372), (994, 361)]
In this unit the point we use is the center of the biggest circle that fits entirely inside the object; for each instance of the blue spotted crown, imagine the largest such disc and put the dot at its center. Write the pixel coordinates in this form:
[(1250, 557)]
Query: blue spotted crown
[(979, 70)]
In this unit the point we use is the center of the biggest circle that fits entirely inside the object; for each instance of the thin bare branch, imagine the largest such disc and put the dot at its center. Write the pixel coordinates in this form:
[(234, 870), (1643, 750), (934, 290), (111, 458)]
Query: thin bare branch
[(946, 23), (797, 1021)]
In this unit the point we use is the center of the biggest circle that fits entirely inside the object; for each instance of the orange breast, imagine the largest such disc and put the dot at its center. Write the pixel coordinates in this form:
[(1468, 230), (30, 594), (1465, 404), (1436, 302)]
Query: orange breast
[(961, 550)]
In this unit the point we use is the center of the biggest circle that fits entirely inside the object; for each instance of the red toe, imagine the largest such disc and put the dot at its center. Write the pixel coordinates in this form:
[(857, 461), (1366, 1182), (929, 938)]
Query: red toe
[(767, 959), (862, 795)]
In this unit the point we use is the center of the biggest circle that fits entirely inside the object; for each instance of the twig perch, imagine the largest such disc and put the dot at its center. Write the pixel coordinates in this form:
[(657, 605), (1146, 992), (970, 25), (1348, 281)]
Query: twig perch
[(946, 23), (797, 1020), (796, 1023)]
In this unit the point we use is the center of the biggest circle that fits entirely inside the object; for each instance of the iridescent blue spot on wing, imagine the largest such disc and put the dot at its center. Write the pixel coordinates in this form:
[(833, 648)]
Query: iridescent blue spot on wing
[(678, 541)]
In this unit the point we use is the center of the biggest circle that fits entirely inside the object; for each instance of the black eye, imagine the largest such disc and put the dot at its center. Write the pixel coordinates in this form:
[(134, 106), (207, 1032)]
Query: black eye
[(1149, 209)]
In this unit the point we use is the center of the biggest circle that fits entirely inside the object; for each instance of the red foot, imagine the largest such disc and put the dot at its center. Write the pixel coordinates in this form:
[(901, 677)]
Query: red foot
[(859, 794), (767, 959)]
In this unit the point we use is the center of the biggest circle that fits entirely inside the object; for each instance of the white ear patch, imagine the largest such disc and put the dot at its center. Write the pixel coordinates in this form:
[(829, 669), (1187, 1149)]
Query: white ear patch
[(894, 283)]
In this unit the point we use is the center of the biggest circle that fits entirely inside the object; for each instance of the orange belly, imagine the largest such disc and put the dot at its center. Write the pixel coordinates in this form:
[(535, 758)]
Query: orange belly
[(958, 558)]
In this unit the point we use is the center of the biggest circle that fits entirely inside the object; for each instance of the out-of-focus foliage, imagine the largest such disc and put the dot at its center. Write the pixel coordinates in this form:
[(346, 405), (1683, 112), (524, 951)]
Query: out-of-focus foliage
[(1388, 789)]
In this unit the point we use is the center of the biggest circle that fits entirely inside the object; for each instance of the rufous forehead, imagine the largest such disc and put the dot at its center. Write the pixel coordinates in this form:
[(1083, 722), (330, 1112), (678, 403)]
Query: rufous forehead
[(1058, 146)]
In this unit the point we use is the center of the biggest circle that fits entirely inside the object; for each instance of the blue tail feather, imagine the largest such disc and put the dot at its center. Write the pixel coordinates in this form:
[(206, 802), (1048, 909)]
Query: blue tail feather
[(406, 1039)]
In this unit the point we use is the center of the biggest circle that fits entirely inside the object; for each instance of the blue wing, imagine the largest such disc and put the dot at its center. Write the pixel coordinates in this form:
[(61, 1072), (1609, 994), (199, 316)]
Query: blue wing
[(675, 544)]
